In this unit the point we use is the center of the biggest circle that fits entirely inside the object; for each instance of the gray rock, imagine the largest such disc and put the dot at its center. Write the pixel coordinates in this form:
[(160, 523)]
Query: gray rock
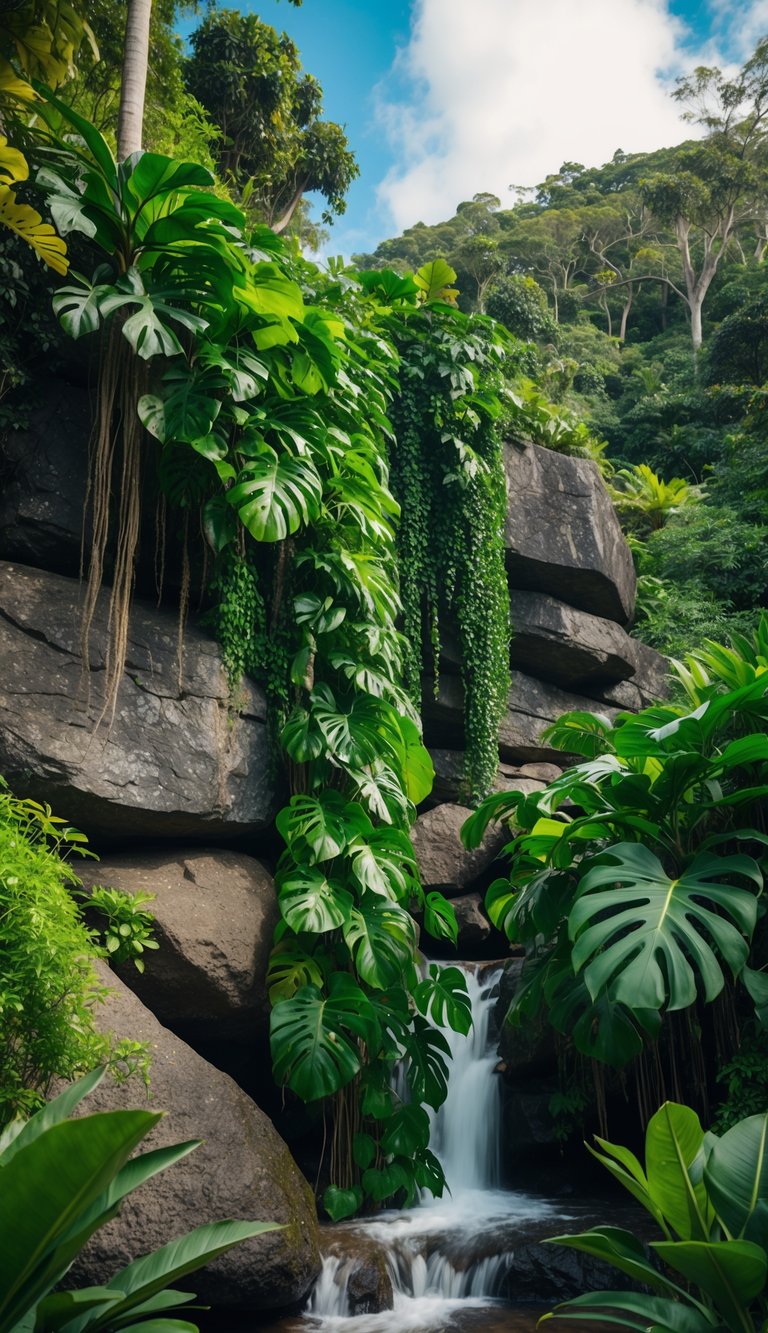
[(444, 863), (44, 479), (474, 927), (533, 706), (215, 913), (649, 683), (174, 764), (242, 1170), (363, 1269), (449, 775), (569, 647), (562, 534)]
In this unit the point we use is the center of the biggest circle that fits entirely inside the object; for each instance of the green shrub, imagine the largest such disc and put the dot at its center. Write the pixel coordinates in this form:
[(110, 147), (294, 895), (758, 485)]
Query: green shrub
[(48, 988)]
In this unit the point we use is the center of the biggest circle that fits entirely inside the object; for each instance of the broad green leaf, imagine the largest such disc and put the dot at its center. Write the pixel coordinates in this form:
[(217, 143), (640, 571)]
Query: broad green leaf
[(314, 1038), (275, 495), (78, 309), (53, 1113), (406, 1130), (426, 1068), (146, 1276), (384, 862), (270, 293), (623, 1251), (440, 917), (291, 966), (65, 1170), (381, 1183), (674, 1140), (442, 996), (649, 941), (154, 174), (382, 940), (418, 767), (318, 828), (340, 1203), (434, 281), (308, 901), (301, 737), (637, 1311), (736, 1179), (731, 1272)]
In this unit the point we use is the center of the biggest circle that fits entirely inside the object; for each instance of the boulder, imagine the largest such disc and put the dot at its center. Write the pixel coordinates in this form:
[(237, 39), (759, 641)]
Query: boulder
[(44, 473), (474, 927), (356, 1264), (533, 706), (242, 1170), (562, 534), (449, 776), (569, 647), (215, 913), (444, 863), (175, 762), (649, 683)]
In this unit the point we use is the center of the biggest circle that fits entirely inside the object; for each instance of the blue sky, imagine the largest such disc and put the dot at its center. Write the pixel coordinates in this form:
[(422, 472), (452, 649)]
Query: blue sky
[(444, 98)]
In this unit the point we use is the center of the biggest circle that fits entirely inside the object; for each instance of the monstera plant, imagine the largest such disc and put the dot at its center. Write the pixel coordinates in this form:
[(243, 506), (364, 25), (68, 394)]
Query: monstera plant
[(633, 881)]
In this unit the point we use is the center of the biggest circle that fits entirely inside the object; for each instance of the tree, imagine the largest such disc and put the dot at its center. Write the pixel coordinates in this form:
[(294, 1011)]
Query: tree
[(720, 183), (273, 146), (134, 82)]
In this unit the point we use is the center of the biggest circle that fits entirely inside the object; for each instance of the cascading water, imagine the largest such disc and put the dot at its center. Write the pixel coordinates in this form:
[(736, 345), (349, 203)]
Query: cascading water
[(447, 1258)]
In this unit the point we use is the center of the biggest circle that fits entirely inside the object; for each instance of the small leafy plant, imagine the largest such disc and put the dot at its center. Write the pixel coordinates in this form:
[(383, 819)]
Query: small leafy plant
[(64, 1178), (127, 930), (709, 1197)]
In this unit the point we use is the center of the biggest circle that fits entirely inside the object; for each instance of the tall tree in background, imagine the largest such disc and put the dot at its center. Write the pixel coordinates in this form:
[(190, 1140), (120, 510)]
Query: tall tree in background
[(274, 147), (134, 84), (721, 183)]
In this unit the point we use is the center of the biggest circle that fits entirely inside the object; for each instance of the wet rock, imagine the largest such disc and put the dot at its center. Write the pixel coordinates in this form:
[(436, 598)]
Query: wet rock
[(444, 862), (176, 763), (562, 534), (363, 1270), (215, 913), (242, 1170)]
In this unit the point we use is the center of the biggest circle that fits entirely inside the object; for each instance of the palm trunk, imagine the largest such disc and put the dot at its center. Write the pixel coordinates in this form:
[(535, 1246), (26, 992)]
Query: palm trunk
[(134, 80)]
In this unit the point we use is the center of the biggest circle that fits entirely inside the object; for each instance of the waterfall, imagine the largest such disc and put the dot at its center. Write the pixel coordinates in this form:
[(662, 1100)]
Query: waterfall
[(466, 1131), (449, 1255)]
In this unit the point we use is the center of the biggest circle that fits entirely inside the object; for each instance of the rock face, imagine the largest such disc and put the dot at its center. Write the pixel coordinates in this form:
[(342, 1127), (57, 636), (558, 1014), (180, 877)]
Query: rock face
[(444, 863), (44, 479), (562, 534), (174, 764), (242, 1170), (533, 706), (569, 647), (215, 913)]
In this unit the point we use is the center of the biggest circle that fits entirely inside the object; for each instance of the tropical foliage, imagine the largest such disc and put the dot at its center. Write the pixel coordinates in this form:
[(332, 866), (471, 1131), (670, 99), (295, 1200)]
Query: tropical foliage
[(709, 1197), (65, 1178), (645, 898)]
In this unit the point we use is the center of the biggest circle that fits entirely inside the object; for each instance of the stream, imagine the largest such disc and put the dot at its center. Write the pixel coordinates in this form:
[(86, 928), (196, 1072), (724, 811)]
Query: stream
[(453, 1262)]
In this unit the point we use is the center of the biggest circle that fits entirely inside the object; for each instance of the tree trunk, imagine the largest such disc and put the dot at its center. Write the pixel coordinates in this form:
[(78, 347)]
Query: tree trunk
[(695, 305), (625, 314), (134, 79)]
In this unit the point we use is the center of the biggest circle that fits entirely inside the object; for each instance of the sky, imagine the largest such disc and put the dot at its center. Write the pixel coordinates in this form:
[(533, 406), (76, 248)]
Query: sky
[(444, 99)]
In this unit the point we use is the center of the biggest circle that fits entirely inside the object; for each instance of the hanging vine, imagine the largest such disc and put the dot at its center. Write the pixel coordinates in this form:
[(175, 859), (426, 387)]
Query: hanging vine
[(448, 477)]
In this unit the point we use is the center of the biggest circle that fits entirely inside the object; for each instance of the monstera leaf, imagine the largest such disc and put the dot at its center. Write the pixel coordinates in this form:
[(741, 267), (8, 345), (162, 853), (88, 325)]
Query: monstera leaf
[(276, 494), (442, 996), (382, 939), (318, 828), (309, 901), (314, 1038), (649, 941)]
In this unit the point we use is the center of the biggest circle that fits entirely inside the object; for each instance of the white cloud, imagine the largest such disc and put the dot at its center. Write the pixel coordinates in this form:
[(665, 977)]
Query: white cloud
[(507, 90)]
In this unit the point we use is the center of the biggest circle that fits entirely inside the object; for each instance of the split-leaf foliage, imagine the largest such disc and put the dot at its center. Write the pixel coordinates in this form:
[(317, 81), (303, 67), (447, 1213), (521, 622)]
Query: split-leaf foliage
[(267, 389)]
